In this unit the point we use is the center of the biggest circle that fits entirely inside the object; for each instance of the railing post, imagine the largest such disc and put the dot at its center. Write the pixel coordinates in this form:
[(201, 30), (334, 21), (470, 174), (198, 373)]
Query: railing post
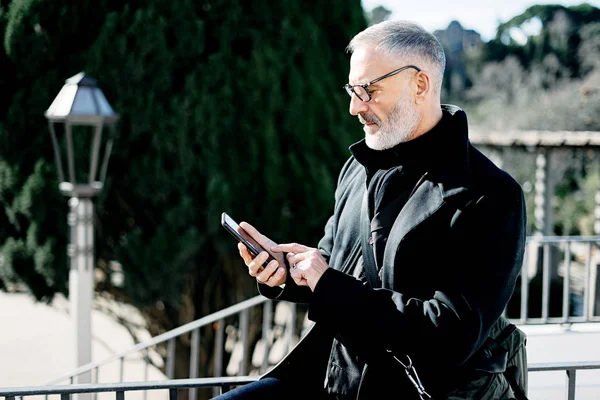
[(194, 358), (525, 283), (170, 367), (291, 325), (146, 365), (219, 339), (121, 368), (266, 332), (597, 213), (571, 381), (244, 321), (567, 282), (588, 302), (546, 282), (97, 381)]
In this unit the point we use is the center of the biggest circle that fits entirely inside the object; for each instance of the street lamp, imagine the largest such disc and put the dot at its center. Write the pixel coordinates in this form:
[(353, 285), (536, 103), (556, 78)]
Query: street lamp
[(76, 119)]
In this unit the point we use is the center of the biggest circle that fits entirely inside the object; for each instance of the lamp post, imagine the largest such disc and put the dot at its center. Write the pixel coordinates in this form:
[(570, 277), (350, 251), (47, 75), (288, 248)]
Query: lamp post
[(76, 120)]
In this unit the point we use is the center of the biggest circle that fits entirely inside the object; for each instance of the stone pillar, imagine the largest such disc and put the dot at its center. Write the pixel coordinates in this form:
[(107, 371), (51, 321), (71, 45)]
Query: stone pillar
[(597, 213), (595, 283), (544, 259), (544, 191)]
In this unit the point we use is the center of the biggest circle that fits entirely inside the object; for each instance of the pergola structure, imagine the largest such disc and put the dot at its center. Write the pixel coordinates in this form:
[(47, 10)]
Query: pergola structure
[(543, 143)]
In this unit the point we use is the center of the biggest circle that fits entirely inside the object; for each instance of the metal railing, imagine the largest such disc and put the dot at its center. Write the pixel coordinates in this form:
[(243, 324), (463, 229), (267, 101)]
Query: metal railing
[(224, 383), (578, 257), (65, 391), (565, 266), (170, 338), (570, 368)]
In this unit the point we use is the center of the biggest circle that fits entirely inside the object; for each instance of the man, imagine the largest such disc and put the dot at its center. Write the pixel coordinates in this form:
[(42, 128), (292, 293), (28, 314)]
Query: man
[(446, 230)]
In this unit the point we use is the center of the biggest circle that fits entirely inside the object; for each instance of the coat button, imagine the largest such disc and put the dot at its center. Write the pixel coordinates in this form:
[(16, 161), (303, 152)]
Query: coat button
[(371, 240)]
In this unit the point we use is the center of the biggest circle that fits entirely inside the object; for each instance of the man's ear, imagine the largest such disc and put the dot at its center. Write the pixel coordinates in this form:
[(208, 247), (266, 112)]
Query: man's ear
[(423, 83)]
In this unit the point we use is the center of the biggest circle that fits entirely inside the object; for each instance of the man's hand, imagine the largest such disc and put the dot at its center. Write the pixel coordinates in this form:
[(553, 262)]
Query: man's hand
[(307, 265), (274, 274)]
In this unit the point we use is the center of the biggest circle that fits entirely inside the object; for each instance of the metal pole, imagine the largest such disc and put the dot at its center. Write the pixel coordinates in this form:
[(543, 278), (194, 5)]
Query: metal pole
[(291, 326), (194, 359), (525, 282), (571, 383), (266, 333), (170, 370), (219, 339), (588, 301), (244, 321), (546, 283), (81, 280), (567, 282)]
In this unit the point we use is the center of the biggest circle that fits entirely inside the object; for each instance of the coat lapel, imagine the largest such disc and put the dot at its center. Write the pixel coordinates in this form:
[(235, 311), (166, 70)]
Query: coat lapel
[(427, 199)]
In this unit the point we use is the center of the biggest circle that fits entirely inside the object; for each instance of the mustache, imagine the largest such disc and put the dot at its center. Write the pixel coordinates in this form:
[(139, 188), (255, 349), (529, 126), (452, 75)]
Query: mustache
[(366, 118)]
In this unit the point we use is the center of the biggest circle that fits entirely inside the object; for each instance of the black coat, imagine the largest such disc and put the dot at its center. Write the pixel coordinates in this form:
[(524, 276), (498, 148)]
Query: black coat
[(449, 268)]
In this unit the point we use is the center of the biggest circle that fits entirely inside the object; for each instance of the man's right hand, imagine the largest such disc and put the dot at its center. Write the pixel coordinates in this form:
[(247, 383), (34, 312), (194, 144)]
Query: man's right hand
[(275, 273)]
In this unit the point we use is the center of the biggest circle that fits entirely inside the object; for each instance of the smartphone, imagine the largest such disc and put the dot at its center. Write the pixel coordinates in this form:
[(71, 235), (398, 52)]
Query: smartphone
[(242, 236)]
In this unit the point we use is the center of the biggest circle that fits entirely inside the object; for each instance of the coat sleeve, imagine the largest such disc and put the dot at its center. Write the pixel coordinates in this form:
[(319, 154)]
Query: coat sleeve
[(302, 294), (480, 276)]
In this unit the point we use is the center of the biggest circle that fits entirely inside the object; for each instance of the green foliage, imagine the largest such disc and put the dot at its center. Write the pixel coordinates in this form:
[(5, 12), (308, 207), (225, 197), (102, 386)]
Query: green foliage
[(224, 107), (559, 35)]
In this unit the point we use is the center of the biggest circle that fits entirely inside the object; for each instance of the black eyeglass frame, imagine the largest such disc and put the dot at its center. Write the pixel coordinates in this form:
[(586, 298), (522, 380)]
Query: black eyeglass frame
[(350, 88)]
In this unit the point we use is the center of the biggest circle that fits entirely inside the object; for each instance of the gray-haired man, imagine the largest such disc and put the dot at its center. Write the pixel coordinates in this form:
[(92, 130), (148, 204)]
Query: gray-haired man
[(420, 256)]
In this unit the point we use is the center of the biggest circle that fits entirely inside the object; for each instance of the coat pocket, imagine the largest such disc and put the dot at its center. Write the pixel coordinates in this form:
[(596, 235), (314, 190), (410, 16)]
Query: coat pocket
[(483, 387), (343, 372)]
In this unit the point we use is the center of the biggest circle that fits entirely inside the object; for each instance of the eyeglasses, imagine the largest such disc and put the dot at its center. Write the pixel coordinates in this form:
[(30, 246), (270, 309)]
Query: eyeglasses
[(361, 90)]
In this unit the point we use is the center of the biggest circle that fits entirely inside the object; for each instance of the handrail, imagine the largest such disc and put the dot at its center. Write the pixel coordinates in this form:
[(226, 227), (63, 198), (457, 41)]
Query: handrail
[(127, 386), (561, 239), (190, 326), (570, 368), (225, 382), (561, 366)]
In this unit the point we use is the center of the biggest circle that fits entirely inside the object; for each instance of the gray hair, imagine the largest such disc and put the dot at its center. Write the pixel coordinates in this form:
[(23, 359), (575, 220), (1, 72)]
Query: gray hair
[(406, 40)]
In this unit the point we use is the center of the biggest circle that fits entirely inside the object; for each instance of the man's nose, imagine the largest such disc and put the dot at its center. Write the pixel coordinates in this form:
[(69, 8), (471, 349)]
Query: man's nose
[(357, 106)]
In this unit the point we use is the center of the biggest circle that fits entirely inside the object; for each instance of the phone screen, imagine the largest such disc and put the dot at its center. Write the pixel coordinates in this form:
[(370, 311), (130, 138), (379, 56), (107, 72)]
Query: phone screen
[(241, 235)]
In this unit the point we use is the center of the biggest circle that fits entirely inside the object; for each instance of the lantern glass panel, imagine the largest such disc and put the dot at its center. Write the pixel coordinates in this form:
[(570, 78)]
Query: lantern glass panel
[(84, 103), (62, 103), (83, 140)]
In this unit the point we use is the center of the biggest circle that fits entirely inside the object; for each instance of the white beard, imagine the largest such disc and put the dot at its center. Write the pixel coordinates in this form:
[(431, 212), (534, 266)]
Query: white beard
[(401, 123)]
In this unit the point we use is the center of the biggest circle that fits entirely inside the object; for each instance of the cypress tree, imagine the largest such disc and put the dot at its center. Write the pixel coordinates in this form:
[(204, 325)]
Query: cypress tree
[(225, 106)]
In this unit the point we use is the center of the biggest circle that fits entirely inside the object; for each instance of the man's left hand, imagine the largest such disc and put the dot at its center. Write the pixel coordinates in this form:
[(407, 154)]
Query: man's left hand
[(307, 265)]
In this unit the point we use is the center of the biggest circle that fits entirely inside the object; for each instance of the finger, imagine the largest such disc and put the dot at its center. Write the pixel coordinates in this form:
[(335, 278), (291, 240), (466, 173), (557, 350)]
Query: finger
[(255, 267), (245, 254), (277, 278), (290, 248), (264, 241), (268, 271), (294, 258), (298, 277)]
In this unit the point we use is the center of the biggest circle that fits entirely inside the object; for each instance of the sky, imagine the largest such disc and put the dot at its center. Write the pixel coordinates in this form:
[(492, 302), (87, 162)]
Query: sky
[(480, 15)]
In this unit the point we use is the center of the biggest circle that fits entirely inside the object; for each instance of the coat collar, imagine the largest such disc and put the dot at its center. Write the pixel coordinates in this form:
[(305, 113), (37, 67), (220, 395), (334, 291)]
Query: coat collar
[(442, 152)]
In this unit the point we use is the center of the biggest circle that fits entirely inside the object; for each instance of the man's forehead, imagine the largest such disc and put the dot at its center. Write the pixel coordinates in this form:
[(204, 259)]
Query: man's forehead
[(369, 63)]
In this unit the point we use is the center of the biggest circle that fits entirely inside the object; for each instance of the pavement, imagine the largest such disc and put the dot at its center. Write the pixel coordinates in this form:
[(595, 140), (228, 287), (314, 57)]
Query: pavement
[(556, 343), (37, 346)]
